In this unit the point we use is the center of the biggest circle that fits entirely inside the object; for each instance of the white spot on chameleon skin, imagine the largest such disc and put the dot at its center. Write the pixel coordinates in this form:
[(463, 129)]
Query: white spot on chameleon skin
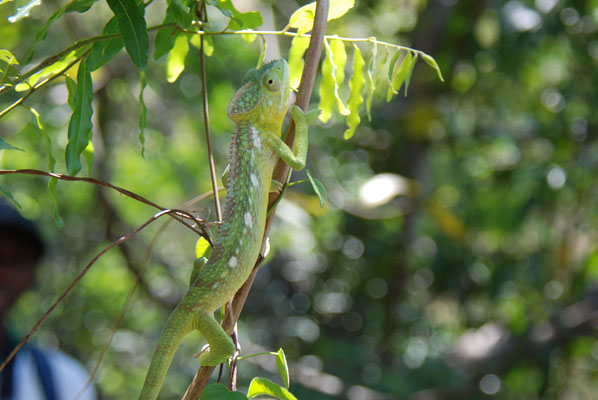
[(215, 285), (248, 220), (232, 262), (270, 102), (253, 178), (256, 141)]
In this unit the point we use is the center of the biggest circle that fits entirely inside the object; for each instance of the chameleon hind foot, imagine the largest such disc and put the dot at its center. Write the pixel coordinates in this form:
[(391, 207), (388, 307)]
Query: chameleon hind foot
[(221, 346)]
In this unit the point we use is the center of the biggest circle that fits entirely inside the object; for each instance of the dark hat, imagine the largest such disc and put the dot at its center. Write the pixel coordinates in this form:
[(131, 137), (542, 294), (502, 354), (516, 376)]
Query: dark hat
[(11, 221)]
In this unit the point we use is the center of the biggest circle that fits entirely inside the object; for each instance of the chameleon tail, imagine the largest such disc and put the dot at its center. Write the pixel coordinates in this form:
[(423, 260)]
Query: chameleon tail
[(179, 324)]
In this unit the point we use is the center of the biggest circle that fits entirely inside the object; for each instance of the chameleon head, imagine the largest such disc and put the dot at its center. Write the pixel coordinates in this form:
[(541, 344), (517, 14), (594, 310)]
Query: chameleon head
[(264, 96)]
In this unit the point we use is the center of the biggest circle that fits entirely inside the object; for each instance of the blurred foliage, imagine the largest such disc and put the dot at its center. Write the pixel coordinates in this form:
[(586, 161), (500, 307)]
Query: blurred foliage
[(456, 259)]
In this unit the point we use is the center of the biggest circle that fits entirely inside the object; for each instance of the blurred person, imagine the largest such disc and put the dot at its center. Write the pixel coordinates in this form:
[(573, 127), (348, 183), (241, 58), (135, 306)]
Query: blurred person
[(33, 374)]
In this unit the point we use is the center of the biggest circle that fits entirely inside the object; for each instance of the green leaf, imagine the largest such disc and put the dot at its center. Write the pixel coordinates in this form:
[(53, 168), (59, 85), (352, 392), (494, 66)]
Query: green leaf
[(51, 163), (202, 248), (105, 50), (71, 87), (51, 69), (7, 67), (283, 368), (23, 12), (79, 129), (238, 20), (296, 62), (265, 387), (371, 81), (248, 20), (164, 41), (216, 391), (143, 113), (175, 64), (181, 13), (399, 76), (133, 28), (4, 145), (303, 18), (409, 72), (356, 85), (319, 188), (391, 65), (8, 195), (432, 63)]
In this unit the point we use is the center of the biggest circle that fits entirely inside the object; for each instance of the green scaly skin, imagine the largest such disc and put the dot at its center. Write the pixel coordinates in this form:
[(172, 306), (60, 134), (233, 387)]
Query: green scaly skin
[(258, 109)]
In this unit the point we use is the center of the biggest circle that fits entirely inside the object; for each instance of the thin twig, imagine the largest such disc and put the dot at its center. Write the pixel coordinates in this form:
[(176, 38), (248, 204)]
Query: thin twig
[(206, 119), (178, 215)]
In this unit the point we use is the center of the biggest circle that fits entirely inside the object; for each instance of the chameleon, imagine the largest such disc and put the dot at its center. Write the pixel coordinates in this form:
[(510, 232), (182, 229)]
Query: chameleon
[(258, 110)]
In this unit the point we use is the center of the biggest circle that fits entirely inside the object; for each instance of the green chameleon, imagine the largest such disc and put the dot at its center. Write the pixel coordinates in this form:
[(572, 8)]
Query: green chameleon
[(258, 110)]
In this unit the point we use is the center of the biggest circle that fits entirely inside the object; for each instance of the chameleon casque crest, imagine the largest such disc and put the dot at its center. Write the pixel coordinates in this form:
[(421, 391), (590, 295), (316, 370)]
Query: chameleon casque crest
[(258, 110)]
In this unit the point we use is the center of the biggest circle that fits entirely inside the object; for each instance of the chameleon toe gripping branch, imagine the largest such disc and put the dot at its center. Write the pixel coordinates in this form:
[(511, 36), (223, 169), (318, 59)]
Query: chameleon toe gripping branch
[(258, 109)]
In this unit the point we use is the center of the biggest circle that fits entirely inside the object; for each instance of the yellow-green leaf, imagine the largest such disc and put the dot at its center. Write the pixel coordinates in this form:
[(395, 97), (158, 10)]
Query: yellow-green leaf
[(333, 75), (432, 63), (303, 18), (356, 85), (208, 44), (399, 76), (265, 387), (175, 64), (296, 63), (409, 72), (201, 248)]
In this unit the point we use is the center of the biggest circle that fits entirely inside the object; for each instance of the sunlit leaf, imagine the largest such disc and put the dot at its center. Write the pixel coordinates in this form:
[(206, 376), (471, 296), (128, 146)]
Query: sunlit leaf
[(371, 81), (332, 77), (208, 43), (409, 72), (319, 188), (296, 62), (4, 145), (23, 12), (303, 18), (79, 129), (175, 64), (265, 387), (399, 76), (142, 113), (8, 69), (133, 29), (356, 85), (216, 391), (283, 368), (202, 248), (51, 69), (432, 63), (391, 64), (105, 50)]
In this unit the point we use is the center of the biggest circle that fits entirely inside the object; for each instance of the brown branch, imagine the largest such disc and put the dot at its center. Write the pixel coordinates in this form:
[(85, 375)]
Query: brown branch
[(281, 171)]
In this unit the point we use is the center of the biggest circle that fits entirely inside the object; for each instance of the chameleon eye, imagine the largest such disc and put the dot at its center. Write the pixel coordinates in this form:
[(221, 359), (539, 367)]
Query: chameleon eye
[(272, 82)]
